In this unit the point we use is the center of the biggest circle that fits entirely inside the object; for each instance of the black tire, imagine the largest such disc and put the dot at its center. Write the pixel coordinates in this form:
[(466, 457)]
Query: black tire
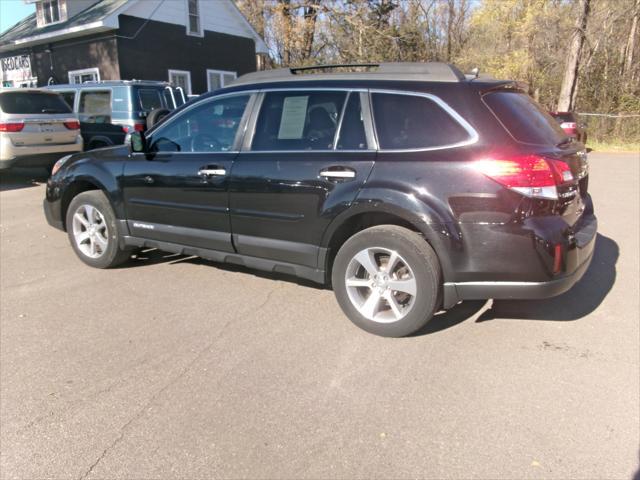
[(110, 256), (156, 116), (419, 257)]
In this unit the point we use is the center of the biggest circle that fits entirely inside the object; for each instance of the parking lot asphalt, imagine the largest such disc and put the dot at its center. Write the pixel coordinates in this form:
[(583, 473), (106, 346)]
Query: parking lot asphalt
[(175, 367)]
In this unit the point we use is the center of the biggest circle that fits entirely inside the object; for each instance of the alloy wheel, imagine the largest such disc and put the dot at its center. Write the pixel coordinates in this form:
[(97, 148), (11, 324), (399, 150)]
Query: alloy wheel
[(381, 285), (90, 231)]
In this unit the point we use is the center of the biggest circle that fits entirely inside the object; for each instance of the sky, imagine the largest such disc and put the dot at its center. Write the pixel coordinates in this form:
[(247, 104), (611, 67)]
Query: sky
[(12, 11)]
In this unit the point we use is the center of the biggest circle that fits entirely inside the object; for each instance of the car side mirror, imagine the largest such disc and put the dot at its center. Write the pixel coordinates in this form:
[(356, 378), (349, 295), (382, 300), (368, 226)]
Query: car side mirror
[(138, 142)]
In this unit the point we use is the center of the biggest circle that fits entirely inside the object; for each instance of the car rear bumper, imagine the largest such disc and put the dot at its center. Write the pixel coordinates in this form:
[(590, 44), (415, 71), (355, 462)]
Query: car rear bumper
[(577, 258), (35, 155)]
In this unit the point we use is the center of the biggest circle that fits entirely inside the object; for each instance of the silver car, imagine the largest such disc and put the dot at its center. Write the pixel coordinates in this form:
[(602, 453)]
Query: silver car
[(37, 127)]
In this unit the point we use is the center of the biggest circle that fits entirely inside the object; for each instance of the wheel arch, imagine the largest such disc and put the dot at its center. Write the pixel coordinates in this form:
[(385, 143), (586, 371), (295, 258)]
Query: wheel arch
[(90, 177), (99, 139), (442, 237)]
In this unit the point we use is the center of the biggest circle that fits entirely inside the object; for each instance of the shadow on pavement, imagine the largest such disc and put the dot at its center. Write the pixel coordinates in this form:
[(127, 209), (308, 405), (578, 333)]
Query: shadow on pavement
[(578, 302), (17, 178)]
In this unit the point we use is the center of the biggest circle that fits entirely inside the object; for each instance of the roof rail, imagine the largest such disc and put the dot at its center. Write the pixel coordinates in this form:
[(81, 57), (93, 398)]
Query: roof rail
[(415, 71), (295, 70)]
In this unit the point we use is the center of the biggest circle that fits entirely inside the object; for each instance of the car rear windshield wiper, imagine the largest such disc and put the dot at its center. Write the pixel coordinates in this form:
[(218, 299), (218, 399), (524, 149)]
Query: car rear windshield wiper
[(51, 110), (564, 142)]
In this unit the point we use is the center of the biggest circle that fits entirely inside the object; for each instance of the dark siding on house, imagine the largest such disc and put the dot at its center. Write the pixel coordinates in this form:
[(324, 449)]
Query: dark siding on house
[(87, 52), (161, 46)]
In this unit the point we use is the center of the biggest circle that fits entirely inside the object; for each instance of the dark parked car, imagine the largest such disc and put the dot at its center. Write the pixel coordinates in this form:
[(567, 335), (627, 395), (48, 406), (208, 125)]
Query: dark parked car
[(408, 187), (571, 126), (110, 110)]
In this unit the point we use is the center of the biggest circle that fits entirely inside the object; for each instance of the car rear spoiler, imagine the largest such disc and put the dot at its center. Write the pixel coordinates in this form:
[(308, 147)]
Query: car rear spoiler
[(506, 85)]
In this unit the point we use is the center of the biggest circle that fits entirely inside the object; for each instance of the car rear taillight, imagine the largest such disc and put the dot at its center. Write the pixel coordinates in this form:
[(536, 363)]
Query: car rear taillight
[(72, 125), (11, 126), (530, 175), (137, 127)]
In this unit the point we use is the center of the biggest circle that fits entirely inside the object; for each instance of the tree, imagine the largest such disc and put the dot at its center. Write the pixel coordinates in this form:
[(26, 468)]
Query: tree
[(570, 79)]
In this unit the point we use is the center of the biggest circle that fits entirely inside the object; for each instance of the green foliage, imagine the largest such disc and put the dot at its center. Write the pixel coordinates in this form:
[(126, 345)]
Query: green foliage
[(524, 40)]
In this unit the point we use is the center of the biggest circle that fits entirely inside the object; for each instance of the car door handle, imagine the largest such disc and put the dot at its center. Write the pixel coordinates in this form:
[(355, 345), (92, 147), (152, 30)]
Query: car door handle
[(210, 172), (338, 174)]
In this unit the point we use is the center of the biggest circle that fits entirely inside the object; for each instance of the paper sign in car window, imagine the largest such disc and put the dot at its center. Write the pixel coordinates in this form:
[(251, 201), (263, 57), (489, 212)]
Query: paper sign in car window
[(294, 114)]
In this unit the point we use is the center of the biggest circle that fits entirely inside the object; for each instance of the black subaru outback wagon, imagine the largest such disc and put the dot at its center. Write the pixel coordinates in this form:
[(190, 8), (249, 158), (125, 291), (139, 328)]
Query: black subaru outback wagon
[(407, 187)]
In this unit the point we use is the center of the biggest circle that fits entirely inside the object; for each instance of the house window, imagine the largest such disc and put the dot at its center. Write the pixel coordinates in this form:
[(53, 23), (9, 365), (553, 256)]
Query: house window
[(49, 12), (86, 75), (193, 20), (219, 78), (182, 79)]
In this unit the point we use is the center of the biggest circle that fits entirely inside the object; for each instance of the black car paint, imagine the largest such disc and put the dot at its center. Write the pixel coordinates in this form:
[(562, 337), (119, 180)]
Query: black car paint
[(274, 212)]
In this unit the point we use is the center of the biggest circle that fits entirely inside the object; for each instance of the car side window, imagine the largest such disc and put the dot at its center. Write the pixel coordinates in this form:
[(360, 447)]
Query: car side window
[(95, 106), (352, 134), (298, 120), (412, 121), (209, 127)]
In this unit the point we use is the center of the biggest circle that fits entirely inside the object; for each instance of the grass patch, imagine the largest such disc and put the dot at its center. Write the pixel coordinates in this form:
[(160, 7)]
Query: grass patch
[(614, 146)]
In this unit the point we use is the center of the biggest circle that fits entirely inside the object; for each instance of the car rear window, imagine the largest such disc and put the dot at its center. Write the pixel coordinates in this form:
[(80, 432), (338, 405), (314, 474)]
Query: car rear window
[(150, 98), (411, 121), (524, 119), (32, 102)]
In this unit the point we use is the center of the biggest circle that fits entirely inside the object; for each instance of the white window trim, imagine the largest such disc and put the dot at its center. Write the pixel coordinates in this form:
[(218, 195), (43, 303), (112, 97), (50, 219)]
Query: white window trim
[(200, 32), (84, 71), (220, 74), (182, 72), (60, 19)]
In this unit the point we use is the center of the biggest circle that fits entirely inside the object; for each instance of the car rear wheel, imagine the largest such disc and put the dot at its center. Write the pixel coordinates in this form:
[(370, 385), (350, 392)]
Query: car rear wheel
[(387, 280), (93, 232)]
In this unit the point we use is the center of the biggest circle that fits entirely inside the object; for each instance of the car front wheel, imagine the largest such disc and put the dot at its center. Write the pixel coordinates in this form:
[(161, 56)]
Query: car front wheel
[(387, 280), (93, 232)]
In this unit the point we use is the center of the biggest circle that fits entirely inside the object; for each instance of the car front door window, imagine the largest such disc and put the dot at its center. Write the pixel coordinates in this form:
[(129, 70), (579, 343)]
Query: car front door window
[(211, 127)]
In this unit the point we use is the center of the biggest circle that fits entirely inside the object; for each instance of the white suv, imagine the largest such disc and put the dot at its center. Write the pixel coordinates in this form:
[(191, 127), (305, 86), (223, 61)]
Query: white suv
[(37, 127)]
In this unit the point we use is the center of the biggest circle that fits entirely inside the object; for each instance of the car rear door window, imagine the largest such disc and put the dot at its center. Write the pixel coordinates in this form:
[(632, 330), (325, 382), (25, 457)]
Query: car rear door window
[(524, 119), (32, 103), (298, 120), (352, 133), (414, 122), (95, 106)]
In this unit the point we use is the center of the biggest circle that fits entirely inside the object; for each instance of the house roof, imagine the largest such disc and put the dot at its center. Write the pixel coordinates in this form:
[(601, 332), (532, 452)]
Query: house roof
[(26, 32), (101, 16)]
